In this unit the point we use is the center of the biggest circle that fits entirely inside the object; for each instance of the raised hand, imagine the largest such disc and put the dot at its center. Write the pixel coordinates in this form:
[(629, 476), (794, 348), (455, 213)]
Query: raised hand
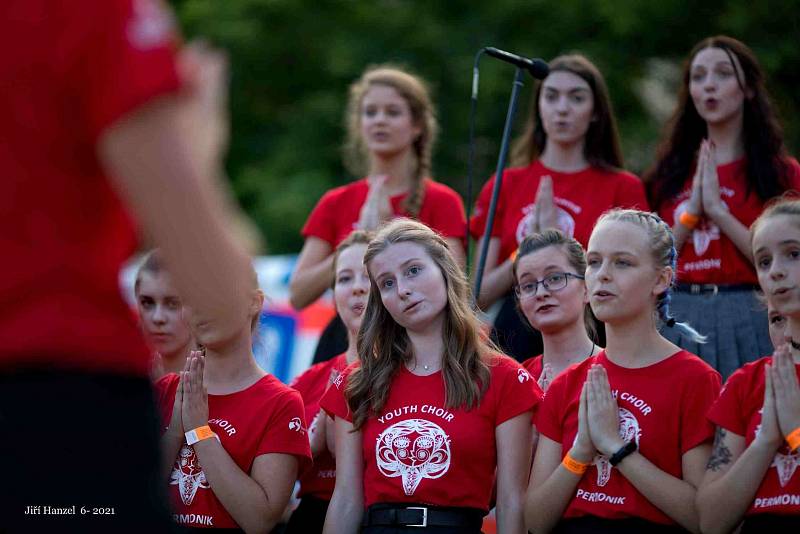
[(194, 409), (603, 412), (787, 390), (582, 448), (176, 421), (695, 205), (546, 377), (769, 432), (546, 211), (712, 200), (377, 207)]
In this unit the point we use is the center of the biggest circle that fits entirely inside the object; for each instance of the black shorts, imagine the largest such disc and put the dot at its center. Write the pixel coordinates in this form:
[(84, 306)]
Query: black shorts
[(80, 452), (308, 517)]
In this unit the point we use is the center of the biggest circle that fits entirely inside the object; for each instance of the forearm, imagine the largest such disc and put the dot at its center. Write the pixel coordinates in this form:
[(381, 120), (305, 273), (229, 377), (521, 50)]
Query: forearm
[(344, 512), (673, 496), (510, 512), (309, 283), (317, 435), (243, 498), (738, 233), (723, 502), (495, 284), (545, 503), (170, 446), (680, 234)]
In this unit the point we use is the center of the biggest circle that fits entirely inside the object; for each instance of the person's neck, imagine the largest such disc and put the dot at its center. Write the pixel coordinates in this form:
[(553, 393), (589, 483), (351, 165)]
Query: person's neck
[(728, 138), (399, 169), (427, 347), (636, 343), (351, 354), (564, 157), (232, 367), (175, 362), (793, 331), (567, 346)]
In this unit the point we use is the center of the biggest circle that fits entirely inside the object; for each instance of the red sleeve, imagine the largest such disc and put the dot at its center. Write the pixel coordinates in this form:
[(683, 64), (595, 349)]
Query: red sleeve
[(793, 178), (632, 194), (727, 411), (549, 416), (696, 429), (165, 388), (518, 392), (333, 401), (305, 381), (286, 430), (129, 60), (449, 217), (322, 221), (477, 223)]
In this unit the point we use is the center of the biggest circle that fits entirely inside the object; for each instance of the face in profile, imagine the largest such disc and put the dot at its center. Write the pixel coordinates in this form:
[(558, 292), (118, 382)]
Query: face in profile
[(621, 276), (776, 253), (387, 125), (566, 107), (162, 315), (550, 309), (713, 85), (411, 286), (351, 285)]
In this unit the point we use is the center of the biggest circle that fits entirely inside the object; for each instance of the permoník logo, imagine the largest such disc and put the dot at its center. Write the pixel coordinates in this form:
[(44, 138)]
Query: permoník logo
[(414, 449), (296, 424), (523, 376), (188, 475)]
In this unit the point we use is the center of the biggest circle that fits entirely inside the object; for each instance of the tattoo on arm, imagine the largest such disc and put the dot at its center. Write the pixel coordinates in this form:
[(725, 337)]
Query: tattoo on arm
[(721, 455)]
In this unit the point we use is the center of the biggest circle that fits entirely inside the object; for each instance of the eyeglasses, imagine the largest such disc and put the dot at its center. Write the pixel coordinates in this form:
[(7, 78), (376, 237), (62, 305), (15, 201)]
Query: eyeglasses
[(551, 282)]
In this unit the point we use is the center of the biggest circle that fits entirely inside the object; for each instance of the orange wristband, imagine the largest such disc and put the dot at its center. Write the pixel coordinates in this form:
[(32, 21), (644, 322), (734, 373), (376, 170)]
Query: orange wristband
[(689, 220), (574, 466), (199, 434), (513, 255), (793, 438)]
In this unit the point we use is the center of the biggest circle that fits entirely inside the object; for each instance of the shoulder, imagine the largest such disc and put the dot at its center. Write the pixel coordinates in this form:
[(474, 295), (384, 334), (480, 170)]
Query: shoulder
[(346, 191), (572, 377), (693, 370), (534, 364), (167, 382), (270, 389), (618, 176), (308, 377), (748, 373)]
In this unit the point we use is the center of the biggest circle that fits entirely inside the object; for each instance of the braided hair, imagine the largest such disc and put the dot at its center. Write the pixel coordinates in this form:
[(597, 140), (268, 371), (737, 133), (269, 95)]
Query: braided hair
[(662, 247)]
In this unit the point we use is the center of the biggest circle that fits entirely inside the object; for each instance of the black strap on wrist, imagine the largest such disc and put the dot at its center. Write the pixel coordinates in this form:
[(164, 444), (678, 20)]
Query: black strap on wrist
[(624, 451)]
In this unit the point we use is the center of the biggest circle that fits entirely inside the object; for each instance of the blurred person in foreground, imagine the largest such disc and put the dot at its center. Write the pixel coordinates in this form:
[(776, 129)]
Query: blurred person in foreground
[(103, 118)]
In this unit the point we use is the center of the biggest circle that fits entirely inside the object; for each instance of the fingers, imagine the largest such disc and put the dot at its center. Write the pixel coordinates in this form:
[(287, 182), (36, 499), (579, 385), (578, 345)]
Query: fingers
[(769, 393)]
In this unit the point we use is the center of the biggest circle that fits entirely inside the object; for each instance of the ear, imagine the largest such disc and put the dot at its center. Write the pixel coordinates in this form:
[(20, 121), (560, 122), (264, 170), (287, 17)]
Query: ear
[(585, 294), (256, 302), (664, 281)]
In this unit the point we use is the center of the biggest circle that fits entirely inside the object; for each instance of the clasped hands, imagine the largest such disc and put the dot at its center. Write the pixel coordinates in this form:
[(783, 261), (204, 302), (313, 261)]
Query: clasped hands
[(598, 418), (705, 197), (190, 409)]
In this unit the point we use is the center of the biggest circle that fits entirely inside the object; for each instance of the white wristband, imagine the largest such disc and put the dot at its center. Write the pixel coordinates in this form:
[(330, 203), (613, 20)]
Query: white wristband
[(199, 434)]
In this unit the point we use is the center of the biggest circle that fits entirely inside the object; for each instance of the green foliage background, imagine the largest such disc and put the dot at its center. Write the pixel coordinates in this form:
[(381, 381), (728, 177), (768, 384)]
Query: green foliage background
[(292, 62)]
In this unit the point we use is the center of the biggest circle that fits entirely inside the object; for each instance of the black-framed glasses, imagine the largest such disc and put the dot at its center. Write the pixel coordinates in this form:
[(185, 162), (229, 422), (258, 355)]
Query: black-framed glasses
[(551, 282)]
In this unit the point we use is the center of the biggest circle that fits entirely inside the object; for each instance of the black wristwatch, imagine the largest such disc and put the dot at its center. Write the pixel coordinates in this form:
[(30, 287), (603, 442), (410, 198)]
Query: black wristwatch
[(624, 451)]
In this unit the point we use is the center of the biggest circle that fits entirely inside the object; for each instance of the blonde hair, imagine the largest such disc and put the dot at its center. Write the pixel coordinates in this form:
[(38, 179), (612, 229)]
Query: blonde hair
[(782, 206), (383, 345), (662, 249), (414, 91)]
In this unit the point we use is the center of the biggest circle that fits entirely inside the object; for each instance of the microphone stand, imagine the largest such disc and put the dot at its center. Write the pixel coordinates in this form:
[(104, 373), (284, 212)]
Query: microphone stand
[(498, 180)]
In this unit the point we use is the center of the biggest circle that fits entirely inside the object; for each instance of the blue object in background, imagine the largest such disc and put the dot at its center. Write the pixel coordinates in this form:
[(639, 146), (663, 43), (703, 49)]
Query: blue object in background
[(273, 345)]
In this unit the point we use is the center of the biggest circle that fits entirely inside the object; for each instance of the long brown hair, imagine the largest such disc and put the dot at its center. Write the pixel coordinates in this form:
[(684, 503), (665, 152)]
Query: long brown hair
[(383, 345), (602, 147), (766, 166), (414, 90)]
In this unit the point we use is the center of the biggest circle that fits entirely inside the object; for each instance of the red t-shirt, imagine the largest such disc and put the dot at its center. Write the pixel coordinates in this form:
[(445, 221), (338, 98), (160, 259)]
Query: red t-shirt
[(265, 418), (580, 198), (534, 366), (419, 451), (709, 256), (318, 479), (738, 410), (71, 70), (336, 214), (661, 406)]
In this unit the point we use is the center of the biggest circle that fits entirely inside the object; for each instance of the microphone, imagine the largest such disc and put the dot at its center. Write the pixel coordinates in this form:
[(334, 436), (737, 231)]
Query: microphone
[(537, 67)]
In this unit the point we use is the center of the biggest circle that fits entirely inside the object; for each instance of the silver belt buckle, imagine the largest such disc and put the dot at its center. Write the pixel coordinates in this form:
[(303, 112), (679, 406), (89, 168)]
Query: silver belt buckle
[(424, 515)]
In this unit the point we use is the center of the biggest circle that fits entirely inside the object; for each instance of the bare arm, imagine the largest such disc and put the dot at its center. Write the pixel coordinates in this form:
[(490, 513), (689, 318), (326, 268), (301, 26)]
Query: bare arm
[(497, 279), (673, 496), (457, 249), (738, 233), (180, 207), (347, 504), (318, 434), (512, 471), (313, 273), (256, 501), (551, 487), (330, 435)]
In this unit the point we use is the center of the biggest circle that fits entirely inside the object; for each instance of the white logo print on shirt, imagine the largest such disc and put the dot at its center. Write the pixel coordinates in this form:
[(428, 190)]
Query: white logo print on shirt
[(413, 450), (564, 222), (628, 430), (188, 475), (705, 232), (785, 464), (523, 376)]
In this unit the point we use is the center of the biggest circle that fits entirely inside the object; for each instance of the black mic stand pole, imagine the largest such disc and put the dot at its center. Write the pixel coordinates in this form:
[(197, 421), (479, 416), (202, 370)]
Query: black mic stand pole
[(498, 180)]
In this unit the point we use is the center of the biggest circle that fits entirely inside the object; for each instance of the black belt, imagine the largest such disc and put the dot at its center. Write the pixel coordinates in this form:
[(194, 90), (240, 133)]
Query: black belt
[(421, 516), (702, 289)]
